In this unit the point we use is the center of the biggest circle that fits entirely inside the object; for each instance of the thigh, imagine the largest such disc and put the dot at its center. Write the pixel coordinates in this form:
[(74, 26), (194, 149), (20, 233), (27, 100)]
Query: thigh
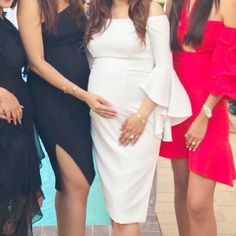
[(181, 173), (72, 177), (200, 191)]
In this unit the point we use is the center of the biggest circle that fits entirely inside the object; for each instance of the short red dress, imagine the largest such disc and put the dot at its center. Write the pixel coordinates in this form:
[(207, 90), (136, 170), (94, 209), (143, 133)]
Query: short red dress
[(210, 69)]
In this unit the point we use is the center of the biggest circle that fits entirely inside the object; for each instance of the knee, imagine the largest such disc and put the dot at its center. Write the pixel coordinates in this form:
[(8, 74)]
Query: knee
[(77, 193), (198, 209), (119, 227)]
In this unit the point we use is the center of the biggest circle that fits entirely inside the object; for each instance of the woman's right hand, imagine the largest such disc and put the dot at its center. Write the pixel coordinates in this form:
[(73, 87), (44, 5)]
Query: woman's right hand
[(100, 105), (10, 108)]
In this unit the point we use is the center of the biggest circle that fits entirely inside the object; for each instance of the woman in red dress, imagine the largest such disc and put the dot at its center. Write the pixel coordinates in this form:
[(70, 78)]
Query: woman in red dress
[(203, 38)]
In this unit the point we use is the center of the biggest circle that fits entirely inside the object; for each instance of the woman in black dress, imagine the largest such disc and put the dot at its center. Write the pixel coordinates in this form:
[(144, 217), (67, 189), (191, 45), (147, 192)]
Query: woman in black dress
[(52, 32), (20, 183)]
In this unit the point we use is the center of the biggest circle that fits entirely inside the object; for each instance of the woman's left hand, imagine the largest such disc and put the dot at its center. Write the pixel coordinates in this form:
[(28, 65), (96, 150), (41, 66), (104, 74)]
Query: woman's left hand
[(131, 130), (196, 132)]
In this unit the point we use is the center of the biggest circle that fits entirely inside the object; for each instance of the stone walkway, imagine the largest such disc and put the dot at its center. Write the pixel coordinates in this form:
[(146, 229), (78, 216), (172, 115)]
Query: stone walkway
[(150, 228), (225, 201)]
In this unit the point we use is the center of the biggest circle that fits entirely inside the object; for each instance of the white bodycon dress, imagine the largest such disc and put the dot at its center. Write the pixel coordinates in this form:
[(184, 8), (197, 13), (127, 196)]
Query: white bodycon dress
[(124, 71)]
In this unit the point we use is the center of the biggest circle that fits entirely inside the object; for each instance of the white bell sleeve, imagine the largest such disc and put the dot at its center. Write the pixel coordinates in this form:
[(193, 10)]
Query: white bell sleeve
[(163, 85)]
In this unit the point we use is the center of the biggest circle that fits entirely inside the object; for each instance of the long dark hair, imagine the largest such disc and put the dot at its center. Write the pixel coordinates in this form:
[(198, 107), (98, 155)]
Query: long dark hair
[(49, 10), (14, 4), (197, 24), (100, 11)]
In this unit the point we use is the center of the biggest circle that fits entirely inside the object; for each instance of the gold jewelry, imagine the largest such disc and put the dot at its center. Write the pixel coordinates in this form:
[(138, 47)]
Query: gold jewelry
[(74, 90), (194, 143), (141, 118), (64, 88), (131, 137)]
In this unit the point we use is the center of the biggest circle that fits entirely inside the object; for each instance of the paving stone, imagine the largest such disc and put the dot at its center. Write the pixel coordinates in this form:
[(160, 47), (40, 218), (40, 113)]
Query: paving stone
[(49, 231), (147, 227), (89, 231), (37, 231), (151, 234), (102, 231)]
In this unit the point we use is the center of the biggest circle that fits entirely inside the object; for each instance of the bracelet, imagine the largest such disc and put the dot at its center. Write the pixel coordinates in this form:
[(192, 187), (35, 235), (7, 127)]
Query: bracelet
[(64, 88), (141, 118), (74, 90)]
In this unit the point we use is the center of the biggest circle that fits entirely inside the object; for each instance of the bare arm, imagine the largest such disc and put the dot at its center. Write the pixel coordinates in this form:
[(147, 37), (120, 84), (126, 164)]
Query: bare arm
[(29, 17), (198, 129)]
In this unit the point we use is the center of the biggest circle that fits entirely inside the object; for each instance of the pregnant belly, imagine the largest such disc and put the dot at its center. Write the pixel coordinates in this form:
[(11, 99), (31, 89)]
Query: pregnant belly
[(121, 86)]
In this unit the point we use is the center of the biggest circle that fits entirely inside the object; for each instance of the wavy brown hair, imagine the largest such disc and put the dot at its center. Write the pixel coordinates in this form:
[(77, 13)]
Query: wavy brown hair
[(99, 12), (49, 12), (197, 24)]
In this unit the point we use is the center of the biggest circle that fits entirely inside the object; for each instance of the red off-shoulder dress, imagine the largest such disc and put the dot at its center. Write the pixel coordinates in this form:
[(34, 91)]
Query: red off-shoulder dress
[(210, 69)]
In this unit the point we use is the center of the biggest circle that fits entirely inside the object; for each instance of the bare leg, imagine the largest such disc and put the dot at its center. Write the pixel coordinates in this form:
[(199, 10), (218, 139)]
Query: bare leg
[(126, 229), (75, 193), (58, 205), (232, 127), (200, 206), (181, 175)]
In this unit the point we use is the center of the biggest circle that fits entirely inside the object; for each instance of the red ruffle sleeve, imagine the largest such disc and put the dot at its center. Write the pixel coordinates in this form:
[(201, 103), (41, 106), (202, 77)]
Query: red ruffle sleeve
[(223, 68)]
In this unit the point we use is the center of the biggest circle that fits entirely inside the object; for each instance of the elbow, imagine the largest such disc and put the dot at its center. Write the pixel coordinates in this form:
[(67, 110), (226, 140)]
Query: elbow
[(35, 65)]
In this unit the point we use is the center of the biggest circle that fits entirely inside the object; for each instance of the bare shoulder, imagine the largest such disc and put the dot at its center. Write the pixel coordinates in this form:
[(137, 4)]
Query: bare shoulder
[(228, 9), (28, 11), (155, 9), (29, 6)]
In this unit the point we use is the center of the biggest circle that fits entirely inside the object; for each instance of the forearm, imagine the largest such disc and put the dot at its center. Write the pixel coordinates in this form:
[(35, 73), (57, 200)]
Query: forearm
[(3, 91), (147, 108), (55, 78), (212, 101)]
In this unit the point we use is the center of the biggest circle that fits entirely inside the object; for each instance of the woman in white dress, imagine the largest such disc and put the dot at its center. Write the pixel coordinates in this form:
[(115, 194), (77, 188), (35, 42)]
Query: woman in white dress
[(132, 68)]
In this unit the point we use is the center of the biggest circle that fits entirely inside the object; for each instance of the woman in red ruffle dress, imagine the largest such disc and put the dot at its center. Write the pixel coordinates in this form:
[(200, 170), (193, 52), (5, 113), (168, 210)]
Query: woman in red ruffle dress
[(203, 39)]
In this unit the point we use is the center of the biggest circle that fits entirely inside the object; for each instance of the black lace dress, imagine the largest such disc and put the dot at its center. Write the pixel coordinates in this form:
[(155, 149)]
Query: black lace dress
[(60, 118), (20, 183)]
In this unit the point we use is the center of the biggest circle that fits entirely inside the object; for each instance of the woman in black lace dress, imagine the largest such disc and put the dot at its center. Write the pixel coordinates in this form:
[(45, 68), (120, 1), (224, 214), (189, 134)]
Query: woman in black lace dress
[(52, 32), (20, 183)]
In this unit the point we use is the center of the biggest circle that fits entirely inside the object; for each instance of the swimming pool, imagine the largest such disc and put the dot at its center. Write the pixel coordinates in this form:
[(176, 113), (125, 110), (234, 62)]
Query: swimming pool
[(96, 211)]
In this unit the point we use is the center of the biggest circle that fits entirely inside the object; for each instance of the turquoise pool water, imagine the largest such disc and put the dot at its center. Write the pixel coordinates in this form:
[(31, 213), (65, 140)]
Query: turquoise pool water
[(96, 211)]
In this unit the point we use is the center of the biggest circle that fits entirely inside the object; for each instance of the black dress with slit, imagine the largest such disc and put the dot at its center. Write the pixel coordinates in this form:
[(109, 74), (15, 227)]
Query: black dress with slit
[(62, 119), (20, 183)]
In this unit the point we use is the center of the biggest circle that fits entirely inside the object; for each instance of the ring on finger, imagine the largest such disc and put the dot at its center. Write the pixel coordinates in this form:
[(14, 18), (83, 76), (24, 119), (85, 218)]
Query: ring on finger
[(131, 137), (194, 143)]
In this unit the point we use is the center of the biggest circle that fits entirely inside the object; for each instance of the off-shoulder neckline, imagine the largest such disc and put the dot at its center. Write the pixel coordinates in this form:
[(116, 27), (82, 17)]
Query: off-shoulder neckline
[(126, 18)]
